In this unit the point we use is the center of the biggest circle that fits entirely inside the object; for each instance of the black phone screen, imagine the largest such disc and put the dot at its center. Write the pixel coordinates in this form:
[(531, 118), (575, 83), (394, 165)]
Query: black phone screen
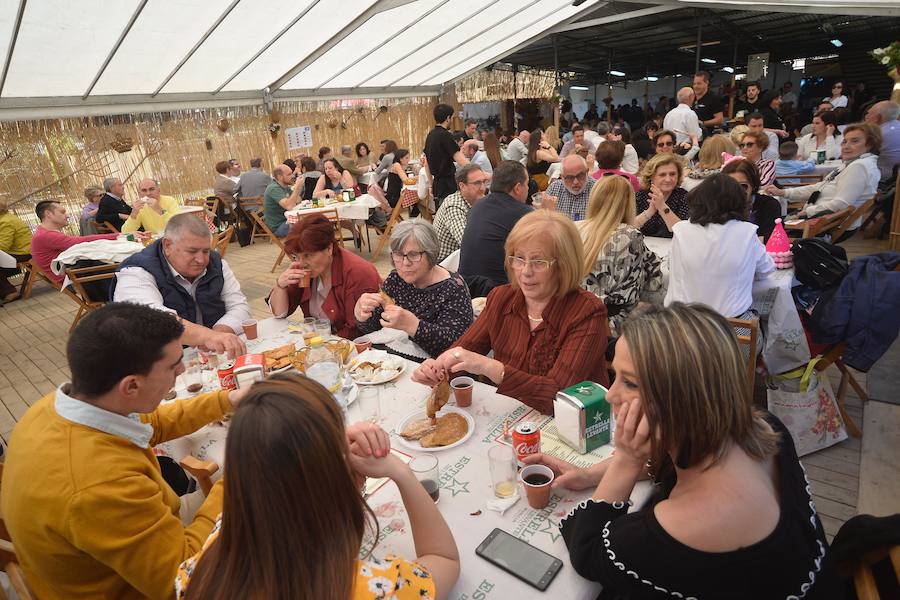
[(533, 566)]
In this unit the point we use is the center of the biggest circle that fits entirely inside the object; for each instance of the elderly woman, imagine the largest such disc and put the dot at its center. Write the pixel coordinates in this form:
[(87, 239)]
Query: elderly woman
[(824, 136), (619, 266), (849, 186), (764, 209), (546, 332), (420, 297), (716, 255), (665, 144), (92, 194), (731, 499), (661, 203), (324, 280), (752, 146), (333, 181), (709, 161)]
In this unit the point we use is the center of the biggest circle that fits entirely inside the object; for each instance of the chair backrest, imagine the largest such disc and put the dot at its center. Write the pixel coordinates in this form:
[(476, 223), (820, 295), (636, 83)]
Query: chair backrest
[(104, 227), (254, 203), (747, 332), (799, 180), (309, 185), (261, 223), (201, 470), (854, 215), (222, 240), (86, 275)]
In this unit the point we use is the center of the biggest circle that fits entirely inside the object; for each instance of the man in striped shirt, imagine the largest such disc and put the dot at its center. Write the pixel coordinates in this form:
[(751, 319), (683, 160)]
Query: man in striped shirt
[(451, 218)]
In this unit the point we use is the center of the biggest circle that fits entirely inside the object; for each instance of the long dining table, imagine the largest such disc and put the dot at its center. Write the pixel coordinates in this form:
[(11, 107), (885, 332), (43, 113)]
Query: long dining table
[(465, 481)]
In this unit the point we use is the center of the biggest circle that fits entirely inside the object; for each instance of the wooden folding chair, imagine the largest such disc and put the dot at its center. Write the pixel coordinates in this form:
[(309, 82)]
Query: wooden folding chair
[(84, 275), (395, 218), (819, 225), (221, 241), (253, 205), (200, 470), (751, 341), (863, 577), (801, 180), (104, 227), (275, 240), (11, 563), (833, 357), (28, 275), (854, 216)]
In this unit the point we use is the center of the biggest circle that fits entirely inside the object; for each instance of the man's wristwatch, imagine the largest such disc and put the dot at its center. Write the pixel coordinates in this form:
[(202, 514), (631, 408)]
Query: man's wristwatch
[(667, 210)]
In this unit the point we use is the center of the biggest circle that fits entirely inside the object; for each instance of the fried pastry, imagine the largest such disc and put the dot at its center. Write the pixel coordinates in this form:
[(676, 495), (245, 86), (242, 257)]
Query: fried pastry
[(388, 301), (416, 429), (438, 398), (280, 351), (450, 429)]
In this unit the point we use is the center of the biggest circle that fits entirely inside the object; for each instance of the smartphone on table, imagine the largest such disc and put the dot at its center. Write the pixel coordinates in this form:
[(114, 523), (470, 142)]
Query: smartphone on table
[(520, 559)]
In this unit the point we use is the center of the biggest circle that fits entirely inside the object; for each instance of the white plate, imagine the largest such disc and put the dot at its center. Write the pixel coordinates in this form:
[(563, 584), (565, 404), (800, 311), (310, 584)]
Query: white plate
[(282, 369), (377, 356), (794, 221), (421, 414), (349, 398)]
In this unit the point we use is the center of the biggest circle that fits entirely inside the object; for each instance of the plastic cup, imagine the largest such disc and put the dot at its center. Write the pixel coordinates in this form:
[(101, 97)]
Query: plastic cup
[(193, 379), (362, 344), (502, 461), (537, 480), (304, 283), (249, 329), (323, 328), (537, 200), (369, 401), (309, 325), (426, 470), (462, 390)]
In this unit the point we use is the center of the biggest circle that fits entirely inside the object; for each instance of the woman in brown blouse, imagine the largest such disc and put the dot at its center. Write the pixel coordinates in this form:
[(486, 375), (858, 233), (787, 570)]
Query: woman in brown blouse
[(546, 333), (337, 278)]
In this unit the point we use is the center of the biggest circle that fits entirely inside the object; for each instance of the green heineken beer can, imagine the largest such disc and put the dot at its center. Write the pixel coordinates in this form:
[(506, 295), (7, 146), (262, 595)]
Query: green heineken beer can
[(583, 416)]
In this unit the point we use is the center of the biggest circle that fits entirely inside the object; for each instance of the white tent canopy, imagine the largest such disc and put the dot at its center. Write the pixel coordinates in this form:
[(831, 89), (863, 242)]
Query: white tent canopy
[(84, 57)]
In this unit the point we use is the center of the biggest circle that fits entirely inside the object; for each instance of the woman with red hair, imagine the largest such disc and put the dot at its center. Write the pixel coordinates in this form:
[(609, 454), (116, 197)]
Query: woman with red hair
[(334, 278)]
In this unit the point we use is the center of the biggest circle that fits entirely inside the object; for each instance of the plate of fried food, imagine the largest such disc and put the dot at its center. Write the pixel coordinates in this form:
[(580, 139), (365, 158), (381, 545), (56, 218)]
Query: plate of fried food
[(438, 427), (373, 367), (285, 357)]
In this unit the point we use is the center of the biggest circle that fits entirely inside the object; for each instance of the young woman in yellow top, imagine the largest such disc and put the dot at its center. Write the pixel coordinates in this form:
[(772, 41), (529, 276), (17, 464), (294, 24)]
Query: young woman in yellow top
[(293, 516)]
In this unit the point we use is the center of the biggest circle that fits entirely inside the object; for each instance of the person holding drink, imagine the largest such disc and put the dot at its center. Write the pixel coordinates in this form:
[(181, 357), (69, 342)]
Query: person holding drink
[(323, 280), (305, 522), (732, 501)]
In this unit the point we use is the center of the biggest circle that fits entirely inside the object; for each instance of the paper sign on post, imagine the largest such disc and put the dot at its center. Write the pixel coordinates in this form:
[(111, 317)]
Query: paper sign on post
[(299, 137)]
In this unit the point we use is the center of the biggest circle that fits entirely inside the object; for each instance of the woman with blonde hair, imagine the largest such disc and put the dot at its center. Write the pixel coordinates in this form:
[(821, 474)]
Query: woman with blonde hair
[(551, 135), (546, 332), (619, 265), (662, 201), (296, 532), (15, 240), (709, 161), (732, 515)]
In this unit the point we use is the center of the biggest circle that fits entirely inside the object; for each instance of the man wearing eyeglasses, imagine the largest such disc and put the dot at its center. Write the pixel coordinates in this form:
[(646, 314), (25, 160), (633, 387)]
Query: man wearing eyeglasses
[(571, 191), (451, 218), (151, 211)]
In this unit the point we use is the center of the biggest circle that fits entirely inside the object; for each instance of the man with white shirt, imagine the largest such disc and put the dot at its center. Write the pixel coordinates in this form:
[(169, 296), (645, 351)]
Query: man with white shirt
[(518, 148), (884, 116), (756, 122), (180, 274), (472, 151), (682, 120), (577, 142)]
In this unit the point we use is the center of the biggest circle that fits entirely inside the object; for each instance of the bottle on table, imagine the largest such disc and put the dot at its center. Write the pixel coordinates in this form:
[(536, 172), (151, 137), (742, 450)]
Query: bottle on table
[(323, 366)]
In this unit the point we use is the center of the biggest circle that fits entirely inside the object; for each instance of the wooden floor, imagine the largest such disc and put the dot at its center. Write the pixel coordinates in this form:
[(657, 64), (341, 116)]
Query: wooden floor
[(33, 336)]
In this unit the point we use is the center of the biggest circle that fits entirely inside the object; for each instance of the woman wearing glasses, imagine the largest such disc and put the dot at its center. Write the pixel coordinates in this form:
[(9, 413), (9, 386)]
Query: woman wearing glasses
[(323, 280), (837, 98), (763, 209), (752, 145), (662, 202), (665, 144), (546, 333), (428, 302)]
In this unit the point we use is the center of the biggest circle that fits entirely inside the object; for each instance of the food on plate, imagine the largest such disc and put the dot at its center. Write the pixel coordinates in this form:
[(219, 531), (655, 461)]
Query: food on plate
[(450, 429), (437, 398), (280, 357), (299, 359), (342, 346), (414, 430), (478, 304), (374, 370), (388, 301)]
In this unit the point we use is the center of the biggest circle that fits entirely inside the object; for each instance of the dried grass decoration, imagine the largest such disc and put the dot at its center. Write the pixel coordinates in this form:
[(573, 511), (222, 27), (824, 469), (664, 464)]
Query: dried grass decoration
[(222, 124), (122, 144), (274, 128), (332, 123)]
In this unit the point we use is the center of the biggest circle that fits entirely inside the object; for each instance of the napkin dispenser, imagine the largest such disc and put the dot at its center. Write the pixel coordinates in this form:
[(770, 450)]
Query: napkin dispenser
[(583, 416), (248, 369)]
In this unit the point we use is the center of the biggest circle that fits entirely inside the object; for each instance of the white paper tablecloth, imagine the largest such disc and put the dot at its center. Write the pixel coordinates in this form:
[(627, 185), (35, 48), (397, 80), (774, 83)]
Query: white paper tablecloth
[(358, 210), (786, 347), (554, 170), (465, 485), (827, 167)]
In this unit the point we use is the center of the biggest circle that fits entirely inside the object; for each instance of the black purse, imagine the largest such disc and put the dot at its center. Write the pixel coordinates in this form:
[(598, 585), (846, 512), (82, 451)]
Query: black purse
[(818, 264)]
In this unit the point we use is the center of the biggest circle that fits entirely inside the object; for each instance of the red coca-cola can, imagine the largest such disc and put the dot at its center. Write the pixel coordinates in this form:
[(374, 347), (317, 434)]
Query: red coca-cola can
[(526, 439), (226, 375)]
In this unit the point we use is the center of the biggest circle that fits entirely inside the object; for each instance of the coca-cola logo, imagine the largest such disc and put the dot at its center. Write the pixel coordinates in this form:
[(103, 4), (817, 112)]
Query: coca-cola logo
[(523, 448)]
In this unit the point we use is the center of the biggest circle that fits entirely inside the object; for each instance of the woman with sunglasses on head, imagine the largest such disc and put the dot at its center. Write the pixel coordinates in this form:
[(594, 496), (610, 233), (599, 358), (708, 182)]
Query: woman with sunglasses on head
[(752, 145), (731, 515), (422, 298), (764, 209), (294, 518), (336, 277), (546, 333)]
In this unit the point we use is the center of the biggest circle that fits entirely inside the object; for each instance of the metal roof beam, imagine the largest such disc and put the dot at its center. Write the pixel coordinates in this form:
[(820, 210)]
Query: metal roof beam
[(12, 43), (653, 10), (883, 8), (196, 46), (378, 7), (112, 53)]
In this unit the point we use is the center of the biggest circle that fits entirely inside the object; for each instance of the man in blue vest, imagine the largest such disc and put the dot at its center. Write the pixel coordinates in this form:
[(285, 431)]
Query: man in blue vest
[(179, 273)]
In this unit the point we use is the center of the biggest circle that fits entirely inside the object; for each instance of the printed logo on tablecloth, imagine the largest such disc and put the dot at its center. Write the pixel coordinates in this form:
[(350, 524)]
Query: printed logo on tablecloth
[(531, 525), (480, 593), (449, 480)]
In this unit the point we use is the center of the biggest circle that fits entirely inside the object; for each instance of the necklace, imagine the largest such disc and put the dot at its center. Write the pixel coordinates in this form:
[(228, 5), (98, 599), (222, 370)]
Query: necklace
[(537, 320)]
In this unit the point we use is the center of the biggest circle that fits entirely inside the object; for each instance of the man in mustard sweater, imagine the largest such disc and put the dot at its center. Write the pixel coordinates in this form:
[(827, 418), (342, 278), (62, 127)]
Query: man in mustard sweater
[(82, 495), (151, 211)]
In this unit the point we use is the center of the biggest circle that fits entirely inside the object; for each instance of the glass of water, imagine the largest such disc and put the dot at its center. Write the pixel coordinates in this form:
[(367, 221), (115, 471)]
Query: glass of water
[(537, 200), (369, 401)]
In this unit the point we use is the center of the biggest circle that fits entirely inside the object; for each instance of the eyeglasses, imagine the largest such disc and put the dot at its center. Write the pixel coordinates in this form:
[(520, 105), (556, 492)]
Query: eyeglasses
[(477, 182), (837, 87), (412, 257), (747, 145), (538, 265), (573, 178), (658, 144)]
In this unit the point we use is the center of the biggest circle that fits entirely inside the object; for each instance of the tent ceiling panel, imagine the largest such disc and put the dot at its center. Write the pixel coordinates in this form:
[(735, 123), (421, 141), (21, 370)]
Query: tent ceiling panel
[(314, 29), (244, 32), (58, 52), (368, 37), (154, 46)]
